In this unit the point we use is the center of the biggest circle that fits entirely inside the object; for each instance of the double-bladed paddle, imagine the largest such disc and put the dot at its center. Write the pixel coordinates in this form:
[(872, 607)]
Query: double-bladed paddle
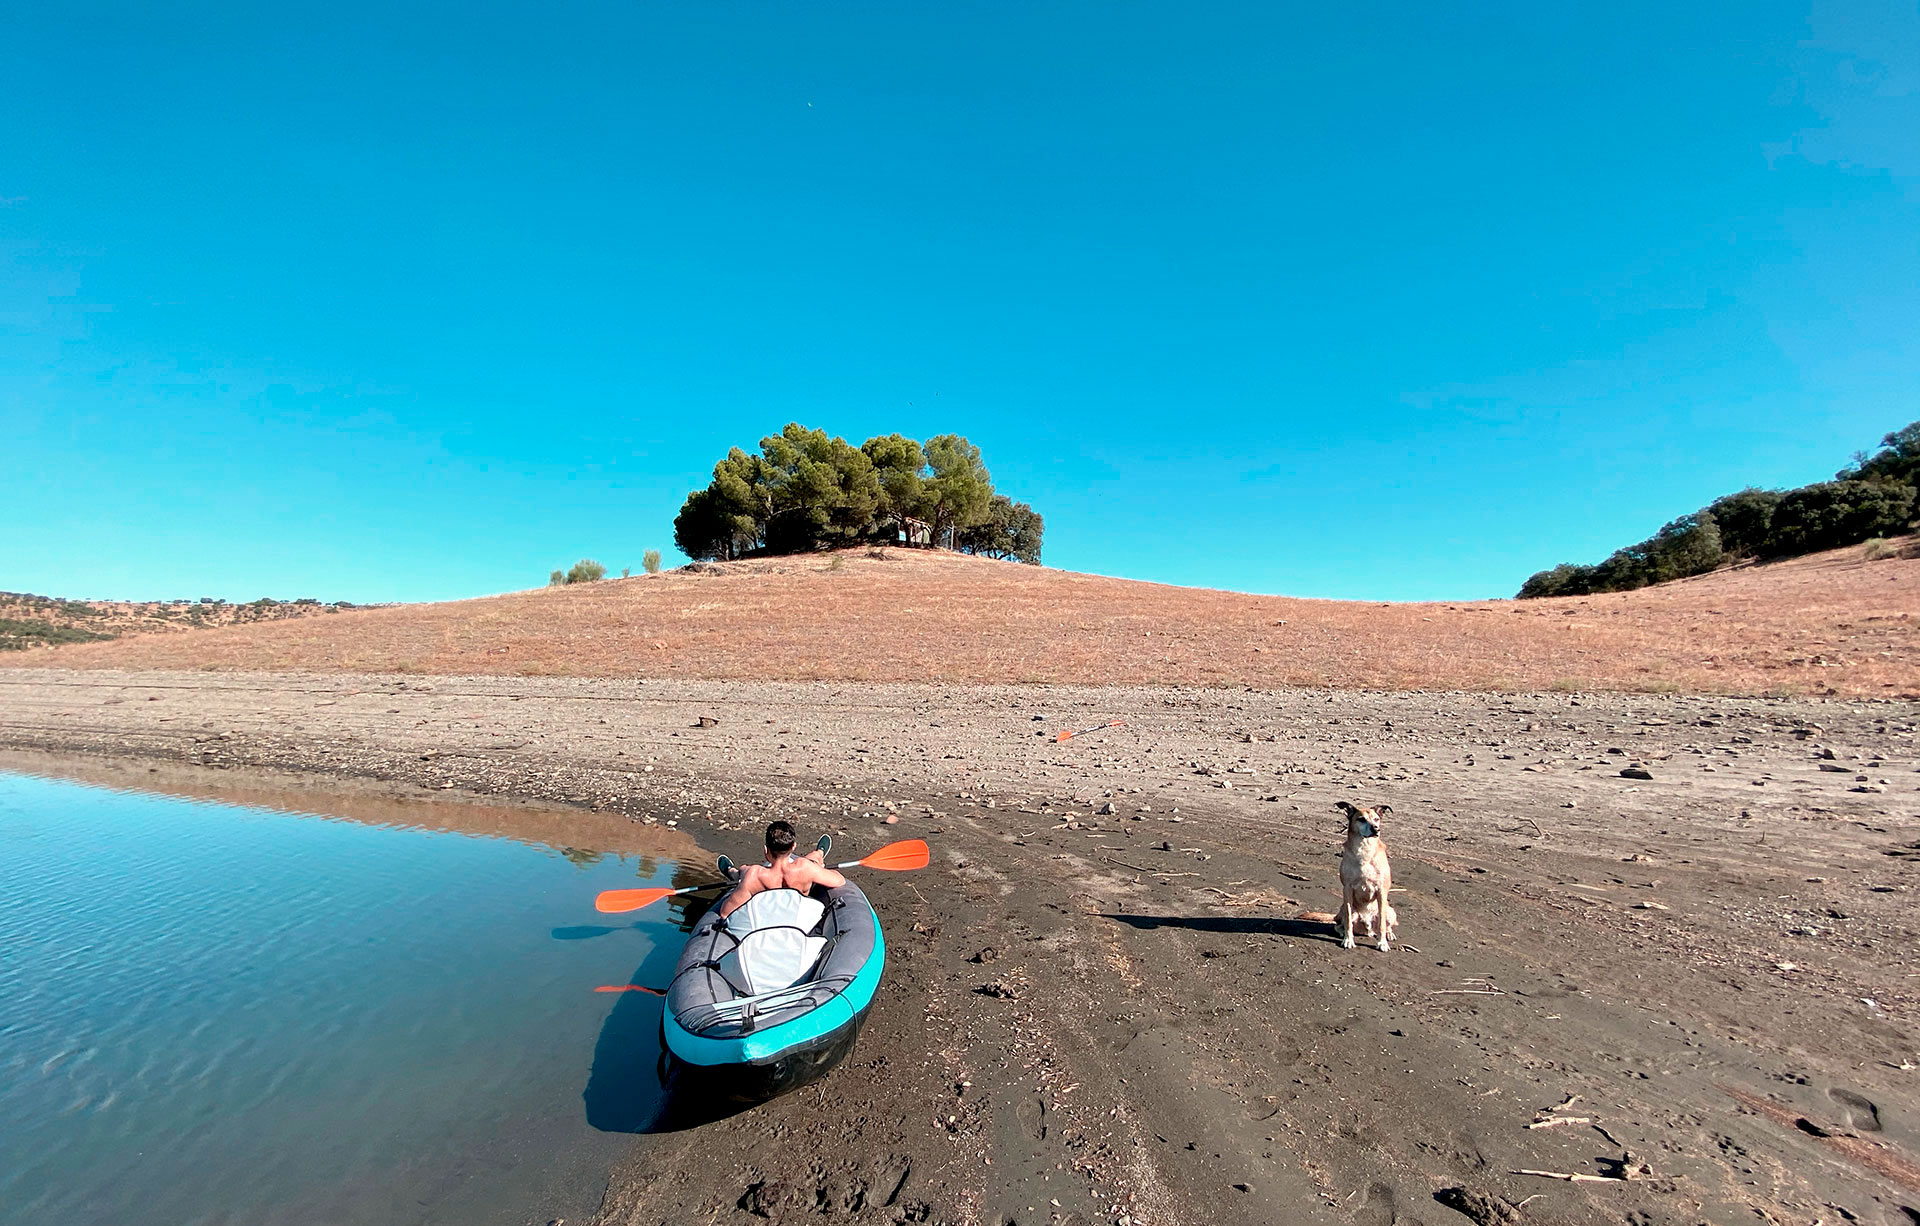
[(1070, 733), (894, 857)]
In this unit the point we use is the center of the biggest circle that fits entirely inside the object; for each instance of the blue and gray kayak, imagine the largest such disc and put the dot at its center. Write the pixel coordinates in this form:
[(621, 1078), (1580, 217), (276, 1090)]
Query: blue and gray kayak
[(774, 995)]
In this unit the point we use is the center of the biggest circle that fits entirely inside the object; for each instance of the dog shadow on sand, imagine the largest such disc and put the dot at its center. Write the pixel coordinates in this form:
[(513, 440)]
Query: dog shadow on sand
[(1291, 929)]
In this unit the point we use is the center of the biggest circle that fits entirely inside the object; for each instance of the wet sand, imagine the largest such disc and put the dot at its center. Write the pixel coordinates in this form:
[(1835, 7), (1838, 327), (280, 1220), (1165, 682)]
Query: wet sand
[(1117, 1016)]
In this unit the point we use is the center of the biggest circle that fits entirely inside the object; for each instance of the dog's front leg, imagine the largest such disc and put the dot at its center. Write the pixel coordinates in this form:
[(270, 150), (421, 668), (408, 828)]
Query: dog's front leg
[(1344, 921), (1380, 920)]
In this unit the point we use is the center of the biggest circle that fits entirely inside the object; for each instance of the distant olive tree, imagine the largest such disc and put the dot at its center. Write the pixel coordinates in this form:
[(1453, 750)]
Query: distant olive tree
[(651, 561), (806, 491), (1011, 530), (557, 579)]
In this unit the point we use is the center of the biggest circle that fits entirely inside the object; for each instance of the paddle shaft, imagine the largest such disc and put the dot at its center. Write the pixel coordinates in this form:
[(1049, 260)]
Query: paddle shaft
[(894, 857)]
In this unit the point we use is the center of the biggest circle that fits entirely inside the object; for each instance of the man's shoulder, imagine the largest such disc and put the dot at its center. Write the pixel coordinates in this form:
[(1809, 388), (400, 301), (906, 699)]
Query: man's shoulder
[(804, 874)]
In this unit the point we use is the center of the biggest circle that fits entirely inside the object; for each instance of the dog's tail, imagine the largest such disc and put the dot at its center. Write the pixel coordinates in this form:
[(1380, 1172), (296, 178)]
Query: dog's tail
[(1317, 917)]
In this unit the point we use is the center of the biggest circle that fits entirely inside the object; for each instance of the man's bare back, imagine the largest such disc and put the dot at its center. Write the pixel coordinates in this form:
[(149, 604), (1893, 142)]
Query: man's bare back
[(784, 872)]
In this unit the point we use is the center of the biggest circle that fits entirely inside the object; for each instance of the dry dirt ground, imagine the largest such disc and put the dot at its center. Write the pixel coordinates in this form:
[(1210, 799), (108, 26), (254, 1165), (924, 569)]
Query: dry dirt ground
[(1703, 979), (1835, 623)]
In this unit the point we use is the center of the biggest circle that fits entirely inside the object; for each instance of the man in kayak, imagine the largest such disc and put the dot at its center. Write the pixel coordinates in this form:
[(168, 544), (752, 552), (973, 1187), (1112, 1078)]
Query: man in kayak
[(782, 870)]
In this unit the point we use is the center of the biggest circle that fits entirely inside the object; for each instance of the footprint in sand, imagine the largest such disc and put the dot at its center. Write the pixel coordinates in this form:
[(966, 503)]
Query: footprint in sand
[(1380, 1208), (1032, 1114), (1862, 1115)]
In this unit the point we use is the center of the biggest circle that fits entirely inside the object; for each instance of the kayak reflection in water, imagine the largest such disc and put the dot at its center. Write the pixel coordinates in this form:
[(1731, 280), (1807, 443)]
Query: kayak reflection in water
[(782, 870)]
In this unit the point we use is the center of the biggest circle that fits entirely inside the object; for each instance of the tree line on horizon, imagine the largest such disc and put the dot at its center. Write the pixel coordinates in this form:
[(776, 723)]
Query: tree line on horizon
[(1875, 496), (804, 491)]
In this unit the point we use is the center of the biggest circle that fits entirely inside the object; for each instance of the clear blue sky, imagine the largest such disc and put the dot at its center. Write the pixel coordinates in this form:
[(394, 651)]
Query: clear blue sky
[(395, 302)]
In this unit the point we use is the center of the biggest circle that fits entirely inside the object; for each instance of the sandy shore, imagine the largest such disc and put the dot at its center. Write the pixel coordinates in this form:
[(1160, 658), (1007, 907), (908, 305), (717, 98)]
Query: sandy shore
[(1095, 1016)]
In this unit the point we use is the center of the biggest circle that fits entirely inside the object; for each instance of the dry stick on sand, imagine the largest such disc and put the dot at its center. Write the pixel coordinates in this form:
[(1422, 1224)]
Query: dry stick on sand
[(1573, 1177), (1545, 1117), (1476, 986)]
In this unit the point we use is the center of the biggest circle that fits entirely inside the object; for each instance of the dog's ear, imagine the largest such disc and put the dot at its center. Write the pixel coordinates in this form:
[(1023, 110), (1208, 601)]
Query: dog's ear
[(1345, 808), (1384, 810)]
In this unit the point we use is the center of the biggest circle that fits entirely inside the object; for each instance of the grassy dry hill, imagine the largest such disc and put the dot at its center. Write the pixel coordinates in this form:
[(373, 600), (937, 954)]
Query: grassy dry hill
[(28, 622), (1834, 623)]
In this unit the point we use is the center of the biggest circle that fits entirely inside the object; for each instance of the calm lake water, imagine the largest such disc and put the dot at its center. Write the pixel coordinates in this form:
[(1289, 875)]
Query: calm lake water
[(216, 1013)]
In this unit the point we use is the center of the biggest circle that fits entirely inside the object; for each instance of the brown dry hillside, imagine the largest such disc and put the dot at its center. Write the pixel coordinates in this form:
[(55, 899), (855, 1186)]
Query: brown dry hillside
[(30, 623), (1835, 623)]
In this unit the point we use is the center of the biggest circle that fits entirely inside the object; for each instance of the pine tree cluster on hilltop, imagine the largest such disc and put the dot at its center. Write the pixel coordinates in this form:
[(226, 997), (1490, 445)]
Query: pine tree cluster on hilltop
[(1875, 496), (806, 491)]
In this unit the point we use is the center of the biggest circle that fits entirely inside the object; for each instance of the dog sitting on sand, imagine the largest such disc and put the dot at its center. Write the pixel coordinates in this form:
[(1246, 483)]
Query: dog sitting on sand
[(1365, 879)]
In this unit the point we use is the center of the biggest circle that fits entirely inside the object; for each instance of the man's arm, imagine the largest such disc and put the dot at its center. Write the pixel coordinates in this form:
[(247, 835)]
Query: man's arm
[(736, 898), (831, 878)]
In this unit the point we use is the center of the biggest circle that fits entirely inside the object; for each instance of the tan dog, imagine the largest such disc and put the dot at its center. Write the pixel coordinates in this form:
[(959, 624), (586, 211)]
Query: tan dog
[(1365, 879)]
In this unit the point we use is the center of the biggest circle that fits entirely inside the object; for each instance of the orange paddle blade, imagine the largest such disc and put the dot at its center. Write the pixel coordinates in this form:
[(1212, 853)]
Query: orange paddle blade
[(629, 987), (628, 900), (906, 854), (1070, 733)]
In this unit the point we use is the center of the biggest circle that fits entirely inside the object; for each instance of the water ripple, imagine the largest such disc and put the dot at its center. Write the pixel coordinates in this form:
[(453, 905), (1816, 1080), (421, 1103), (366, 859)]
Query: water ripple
[(211, 1014)]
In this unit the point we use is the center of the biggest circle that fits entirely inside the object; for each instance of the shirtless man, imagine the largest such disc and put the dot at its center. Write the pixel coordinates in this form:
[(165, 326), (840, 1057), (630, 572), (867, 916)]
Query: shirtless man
[(782, 870)]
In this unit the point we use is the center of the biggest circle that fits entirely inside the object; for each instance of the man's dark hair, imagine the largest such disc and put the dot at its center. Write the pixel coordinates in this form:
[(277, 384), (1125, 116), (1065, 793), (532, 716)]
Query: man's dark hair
[(779, 838)]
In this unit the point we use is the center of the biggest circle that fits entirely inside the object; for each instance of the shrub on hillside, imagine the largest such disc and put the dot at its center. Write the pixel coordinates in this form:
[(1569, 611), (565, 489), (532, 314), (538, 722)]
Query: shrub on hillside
[(1689, 545), (1566, 579), (1745, 519), (1898, 460), (1875, 496), (651, 561), (586, 570), (1836, 513), (18, 634)]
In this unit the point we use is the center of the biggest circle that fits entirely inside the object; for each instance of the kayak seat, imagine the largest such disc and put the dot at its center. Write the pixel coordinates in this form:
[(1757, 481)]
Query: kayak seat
[(775, 946)]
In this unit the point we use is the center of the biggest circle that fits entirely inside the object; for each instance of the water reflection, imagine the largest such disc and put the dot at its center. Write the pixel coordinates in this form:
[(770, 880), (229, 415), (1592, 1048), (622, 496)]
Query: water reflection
[(636, 1086), (583, 838), (632, 1087), (220, 1014)]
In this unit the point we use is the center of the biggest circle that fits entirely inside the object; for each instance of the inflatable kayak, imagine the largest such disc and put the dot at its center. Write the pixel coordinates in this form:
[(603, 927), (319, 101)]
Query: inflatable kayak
[(774, 995)]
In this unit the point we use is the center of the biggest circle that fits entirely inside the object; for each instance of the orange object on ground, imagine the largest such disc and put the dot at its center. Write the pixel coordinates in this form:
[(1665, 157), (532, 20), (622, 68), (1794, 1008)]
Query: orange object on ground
[(1070, 733)]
